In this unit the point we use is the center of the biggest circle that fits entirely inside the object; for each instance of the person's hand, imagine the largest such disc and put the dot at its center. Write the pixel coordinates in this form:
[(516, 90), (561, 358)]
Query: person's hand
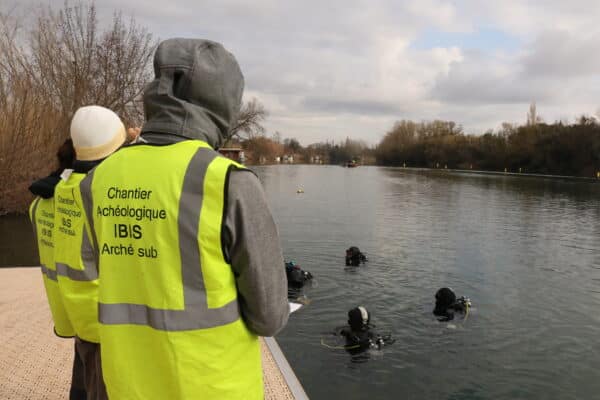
[(133, 133)]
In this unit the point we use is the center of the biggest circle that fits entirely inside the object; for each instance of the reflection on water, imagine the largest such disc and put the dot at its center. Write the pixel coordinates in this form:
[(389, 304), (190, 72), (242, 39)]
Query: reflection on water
[(525, 250)]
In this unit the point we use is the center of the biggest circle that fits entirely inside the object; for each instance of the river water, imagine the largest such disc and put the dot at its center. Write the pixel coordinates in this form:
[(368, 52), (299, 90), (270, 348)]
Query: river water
[(525, 250)]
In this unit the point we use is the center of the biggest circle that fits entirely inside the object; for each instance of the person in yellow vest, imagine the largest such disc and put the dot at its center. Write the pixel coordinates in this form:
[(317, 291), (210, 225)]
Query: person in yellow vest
[(96, 133), (41, 213), (189, 254)]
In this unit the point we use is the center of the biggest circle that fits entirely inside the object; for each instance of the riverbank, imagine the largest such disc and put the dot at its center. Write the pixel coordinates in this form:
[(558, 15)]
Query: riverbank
[(463, 171), (501, 173)]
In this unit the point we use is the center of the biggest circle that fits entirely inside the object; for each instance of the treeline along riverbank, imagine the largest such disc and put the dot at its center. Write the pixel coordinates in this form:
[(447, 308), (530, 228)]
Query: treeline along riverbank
[(536, 148), (553, 149)]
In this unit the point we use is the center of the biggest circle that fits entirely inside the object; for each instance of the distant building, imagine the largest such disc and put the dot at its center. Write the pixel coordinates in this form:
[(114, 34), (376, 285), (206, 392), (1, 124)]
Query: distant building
[(233, 153)]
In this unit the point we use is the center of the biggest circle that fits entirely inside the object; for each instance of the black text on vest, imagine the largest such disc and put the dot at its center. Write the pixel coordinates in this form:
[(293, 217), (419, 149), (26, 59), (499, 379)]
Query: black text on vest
[(128, 231)]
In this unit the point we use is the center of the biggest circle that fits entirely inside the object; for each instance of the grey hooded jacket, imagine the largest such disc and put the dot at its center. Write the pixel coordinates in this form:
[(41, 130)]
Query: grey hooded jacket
[(197, 94)]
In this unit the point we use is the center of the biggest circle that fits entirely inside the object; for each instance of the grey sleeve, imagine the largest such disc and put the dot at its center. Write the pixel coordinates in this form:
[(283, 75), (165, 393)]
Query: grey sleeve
[(251, 243)]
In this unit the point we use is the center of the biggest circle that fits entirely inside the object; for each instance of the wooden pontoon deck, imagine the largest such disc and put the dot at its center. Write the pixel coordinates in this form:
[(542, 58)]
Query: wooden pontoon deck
[(35, 364)]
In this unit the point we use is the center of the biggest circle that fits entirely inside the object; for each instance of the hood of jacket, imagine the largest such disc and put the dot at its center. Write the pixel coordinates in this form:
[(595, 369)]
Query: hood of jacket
[(196, 93)]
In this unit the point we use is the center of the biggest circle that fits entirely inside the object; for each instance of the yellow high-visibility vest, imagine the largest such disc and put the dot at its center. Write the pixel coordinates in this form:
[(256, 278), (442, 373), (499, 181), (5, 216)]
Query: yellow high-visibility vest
[(75, 260), (41, 213), (170, 326)]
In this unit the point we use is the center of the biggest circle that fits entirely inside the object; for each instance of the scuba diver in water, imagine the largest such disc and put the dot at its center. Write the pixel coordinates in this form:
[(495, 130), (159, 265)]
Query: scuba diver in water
[(296, 276), (359, 335), (354, 257), (446, 305)]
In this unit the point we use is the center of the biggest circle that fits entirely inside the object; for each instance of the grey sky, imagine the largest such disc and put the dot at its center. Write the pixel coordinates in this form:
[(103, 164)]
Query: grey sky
[(332, 69)]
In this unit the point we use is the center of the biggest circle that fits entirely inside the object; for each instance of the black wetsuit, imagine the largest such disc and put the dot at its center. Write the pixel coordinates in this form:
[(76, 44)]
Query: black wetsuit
[(447, 313), (354, 257), (358, 341), (296, 276)]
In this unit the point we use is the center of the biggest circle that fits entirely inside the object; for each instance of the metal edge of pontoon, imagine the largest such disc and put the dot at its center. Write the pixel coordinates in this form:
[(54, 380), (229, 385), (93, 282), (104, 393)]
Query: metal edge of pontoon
[(286, 370)]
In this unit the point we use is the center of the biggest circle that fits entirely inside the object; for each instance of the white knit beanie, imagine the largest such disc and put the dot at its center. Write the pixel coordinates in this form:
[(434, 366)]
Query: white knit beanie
[(97, 132)]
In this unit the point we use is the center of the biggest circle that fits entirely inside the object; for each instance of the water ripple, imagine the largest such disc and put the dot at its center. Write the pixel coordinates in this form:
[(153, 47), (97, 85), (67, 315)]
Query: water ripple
[(526, 252)]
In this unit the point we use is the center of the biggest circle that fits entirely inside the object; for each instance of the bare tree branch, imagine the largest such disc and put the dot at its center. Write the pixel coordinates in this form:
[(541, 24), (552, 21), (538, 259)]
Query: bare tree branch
[(249, 123), (64, 62)]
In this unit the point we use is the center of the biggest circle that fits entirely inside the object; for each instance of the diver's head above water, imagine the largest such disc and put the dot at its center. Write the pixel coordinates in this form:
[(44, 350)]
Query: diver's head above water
[(296, 276), (359, 334), (354, 257), (446, 304), (359, 318), (444, 298)]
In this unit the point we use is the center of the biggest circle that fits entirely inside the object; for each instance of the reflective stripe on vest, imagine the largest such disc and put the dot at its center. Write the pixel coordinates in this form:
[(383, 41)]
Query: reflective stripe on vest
[(66, 255), (44, 236), (196, 313), (170, 324), (89, 271), (41, 214), (50, 273), (74, 259)]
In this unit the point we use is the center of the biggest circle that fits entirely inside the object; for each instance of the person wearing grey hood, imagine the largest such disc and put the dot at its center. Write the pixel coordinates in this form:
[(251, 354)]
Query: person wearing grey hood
[(188, 252)]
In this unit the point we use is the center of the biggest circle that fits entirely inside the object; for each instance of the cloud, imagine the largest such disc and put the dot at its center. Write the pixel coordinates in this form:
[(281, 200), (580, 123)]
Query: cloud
[(443, 15), (331, 69), (360, 107), (482, 78), (561, 54), (528, 18), (547, 70)]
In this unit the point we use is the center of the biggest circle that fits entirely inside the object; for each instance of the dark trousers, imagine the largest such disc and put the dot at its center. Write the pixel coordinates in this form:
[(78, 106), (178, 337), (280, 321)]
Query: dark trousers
[(77, 391), (89, 356)]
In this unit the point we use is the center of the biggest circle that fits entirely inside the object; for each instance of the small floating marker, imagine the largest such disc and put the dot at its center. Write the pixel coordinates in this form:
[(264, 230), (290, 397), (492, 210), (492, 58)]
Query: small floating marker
[(404, 166), (520, 169), (505, 170)]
